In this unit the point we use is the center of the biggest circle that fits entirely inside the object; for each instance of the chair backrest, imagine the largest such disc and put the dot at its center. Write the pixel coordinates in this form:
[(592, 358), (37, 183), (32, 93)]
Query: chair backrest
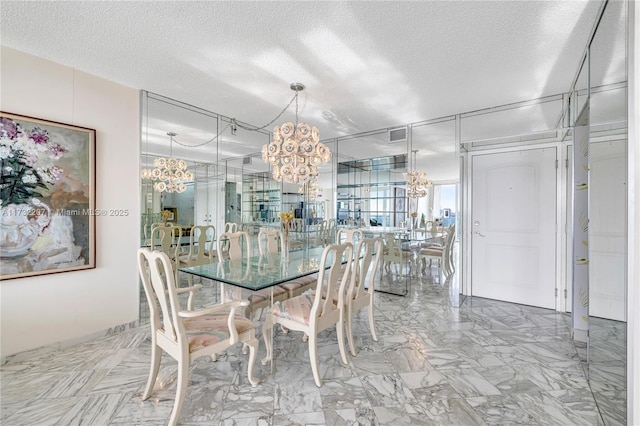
[(233, 245), (270, 241), (434, 230), (448, 242), (296, 225), (366, 261), (158, 281), (320, 229), (166, 239), (351, 235), (198, 250), (330, 280), (323, 233), (148, 229), (392, 248), (230, 227), (331, 231)]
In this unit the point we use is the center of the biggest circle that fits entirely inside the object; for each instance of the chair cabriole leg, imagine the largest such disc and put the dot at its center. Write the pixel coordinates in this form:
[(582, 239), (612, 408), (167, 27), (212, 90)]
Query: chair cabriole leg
[(156, 356)]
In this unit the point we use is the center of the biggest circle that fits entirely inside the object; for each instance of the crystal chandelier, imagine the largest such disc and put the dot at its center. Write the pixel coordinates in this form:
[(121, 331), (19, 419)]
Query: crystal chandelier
[(417, 182), (310, 190), (295, 150), (170, 173)]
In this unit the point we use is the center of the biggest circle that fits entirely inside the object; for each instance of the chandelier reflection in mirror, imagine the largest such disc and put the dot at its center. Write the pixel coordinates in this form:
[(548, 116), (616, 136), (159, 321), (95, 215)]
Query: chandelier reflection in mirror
[(417, 181), (295, 150), (310, 190), (170, 173)]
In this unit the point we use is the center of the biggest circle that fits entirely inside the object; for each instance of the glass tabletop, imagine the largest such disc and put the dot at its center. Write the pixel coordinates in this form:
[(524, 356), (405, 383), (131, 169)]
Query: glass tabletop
[(259, 272)]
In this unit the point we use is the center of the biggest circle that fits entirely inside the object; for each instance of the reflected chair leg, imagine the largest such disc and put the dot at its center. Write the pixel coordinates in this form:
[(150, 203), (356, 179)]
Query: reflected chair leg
[(190, 279), (183, 382), (267, 335), (313, 358), (156, 356), (253, 353)]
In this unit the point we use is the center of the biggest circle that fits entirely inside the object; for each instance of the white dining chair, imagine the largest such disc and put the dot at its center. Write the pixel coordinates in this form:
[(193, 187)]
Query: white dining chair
[(360, 293), (352, 235), (233, 245), (443, 254), (186, 335), (311, 313), (167, 238), (200, 252), (394, 254), (319, 236), (270, 242)]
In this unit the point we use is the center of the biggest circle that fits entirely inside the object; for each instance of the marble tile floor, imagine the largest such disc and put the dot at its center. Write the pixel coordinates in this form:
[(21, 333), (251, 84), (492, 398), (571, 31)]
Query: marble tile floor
[(483, 363)]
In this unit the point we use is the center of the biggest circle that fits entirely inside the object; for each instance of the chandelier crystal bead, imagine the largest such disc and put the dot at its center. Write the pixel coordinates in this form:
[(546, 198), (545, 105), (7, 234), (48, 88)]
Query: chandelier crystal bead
[(170, 173)]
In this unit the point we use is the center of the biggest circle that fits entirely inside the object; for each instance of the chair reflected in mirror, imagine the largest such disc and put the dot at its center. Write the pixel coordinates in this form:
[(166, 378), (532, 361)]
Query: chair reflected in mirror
[(393, 254), (201, 248), (442, 253)]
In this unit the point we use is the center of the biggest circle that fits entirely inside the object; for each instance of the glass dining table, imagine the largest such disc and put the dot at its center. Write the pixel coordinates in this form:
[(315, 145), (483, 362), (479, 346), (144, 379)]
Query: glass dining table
[(260, 272)]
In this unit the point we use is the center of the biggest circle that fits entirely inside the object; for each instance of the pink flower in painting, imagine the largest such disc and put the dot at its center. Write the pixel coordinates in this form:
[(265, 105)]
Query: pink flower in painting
[(39, 136), (9, 128), (26, 162)]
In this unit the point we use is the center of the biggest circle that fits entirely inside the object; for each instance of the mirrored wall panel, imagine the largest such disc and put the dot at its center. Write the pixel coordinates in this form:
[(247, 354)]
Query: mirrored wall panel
[(608, 214)]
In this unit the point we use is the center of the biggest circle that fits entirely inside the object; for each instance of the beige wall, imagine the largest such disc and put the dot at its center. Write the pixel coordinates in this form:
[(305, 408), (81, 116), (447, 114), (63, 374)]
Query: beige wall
[(64, 307)]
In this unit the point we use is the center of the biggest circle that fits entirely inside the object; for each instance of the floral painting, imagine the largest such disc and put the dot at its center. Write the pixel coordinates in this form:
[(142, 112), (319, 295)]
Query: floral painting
[(47, 197)]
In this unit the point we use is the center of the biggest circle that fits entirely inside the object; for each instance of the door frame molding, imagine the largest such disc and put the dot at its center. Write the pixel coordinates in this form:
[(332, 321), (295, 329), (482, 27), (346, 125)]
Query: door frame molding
[(561, 206)]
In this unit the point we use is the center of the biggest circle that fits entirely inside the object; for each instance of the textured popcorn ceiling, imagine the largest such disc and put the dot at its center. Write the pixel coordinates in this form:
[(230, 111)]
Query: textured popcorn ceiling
[(366, 65)]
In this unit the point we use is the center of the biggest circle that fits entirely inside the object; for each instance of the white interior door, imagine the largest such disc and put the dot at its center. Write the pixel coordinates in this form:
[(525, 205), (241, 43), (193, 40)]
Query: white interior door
[(607, 229), (513, 243)]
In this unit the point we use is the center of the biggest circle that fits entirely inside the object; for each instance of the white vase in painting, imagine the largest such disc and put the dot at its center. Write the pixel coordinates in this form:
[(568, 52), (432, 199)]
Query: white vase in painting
[(21, 226)]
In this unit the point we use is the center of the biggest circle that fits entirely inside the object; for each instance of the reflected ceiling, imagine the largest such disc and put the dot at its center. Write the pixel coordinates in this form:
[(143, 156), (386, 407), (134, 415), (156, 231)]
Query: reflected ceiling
[(366, 65)]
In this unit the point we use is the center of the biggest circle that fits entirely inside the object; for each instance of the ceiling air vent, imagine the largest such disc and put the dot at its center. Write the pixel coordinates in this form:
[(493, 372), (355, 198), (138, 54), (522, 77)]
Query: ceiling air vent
[(398, 135), (246, 160)]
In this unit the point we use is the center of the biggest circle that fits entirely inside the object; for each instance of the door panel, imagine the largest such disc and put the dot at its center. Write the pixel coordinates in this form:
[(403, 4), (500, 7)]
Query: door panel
[(513, 227)]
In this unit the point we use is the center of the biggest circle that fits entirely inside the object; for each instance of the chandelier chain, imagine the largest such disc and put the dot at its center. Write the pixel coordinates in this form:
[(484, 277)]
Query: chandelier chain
[(203, 143), (242, 126), (254, 128)]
